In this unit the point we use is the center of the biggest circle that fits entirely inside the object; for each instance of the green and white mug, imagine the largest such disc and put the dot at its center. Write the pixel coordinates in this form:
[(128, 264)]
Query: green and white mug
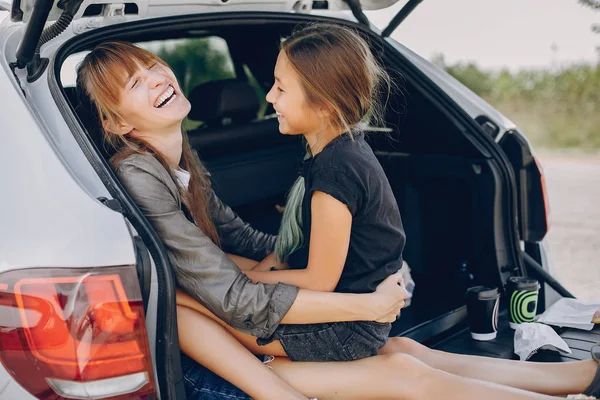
[(522, 296)]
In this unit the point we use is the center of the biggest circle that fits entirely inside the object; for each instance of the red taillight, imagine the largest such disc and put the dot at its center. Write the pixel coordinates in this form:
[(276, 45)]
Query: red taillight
[(75, 333)]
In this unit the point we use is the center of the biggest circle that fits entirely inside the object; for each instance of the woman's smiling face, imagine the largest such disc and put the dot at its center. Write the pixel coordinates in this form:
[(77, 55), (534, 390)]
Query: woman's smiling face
[(151, 100)]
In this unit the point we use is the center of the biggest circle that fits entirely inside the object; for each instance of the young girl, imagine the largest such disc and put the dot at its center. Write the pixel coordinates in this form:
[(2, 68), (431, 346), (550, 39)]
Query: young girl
[(341, 229), (139, 107)]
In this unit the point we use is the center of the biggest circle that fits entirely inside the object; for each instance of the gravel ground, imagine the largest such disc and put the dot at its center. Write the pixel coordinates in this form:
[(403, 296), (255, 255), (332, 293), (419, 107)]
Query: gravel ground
[(573, 184)]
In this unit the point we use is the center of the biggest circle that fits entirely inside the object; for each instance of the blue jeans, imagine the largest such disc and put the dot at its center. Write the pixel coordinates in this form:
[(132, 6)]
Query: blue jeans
[(202, 384)]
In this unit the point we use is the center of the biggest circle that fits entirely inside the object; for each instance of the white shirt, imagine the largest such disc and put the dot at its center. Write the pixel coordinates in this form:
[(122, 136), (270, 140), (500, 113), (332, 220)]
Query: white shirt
[(183, 177)]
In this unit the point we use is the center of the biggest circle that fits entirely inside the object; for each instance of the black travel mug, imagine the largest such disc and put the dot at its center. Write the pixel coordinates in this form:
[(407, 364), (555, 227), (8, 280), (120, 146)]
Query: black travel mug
[(482, 308)]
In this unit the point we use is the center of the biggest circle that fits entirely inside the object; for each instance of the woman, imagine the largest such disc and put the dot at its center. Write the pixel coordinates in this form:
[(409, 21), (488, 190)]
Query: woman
[(141, 108)]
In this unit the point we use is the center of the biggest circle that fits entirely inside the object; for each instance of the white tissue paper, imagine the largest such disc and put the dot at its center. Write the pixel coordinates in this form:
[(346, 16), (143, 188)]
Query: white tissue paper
[(571, 313), (531, 337)]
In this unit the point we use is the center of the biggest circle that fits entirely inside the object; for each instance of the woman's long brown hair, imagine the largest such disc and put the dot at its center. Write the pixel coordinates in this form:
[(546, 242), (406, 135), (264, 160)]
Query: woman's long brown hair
[(99, 76)]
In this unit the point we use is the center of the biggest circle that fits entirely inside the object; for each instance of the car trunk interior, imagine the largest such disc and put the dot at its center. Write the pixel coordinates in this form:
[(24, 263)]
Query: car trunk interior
[(446, 201), (446, 189)]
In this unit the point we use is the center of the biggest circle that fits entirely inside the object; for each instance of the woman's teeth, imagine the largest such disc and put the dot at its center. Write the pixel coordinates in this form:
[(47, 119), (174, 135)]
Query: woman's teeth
[(172, 99), (162, 99)]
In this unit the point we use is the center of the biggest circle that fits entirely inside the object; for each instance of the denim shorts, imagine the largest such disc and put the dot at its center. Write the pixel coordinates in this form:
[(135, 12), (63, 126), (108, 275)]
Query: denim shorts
[(202, 384), (337, 341)]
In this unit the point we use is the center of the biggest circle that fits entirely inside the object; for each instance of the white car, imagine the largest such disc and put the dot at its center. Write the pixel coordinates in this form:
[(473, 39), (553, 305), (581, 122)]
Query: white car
[(87, 303)]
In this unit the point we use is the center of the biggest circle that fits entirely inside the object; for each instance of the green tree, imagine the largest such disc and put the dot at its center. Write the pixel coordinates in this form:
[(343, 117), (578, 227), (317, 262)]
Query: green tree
[(475, 79), (554, 109), (594, 5)]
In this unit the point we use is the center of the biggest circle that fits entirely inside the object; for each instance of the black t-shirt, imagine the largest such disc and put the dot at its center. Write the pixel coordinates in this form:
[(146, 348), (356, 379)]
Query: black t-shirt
[(348, 170)]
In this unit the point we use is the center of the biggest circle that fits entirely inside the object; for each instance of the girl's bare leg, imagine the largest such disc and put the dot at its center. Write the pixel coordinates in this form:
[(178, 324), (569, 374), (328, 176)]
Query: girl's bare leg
[(393, 376), (549, 378)]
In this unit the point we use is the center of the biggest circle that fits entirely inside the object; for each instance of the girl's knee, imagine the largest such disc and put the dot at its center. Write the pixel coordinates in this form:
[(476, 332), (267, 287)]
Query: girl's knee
[(404, 345), (402, 363), (412, 375)]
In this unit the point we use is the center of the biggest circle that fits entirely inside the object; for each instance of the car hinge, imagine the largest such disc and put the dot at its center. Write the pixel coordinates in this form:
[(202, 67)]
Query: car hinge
[(115, 10), (400, 16), (13, 67), (358, 13), (303, 6), (113, 204)]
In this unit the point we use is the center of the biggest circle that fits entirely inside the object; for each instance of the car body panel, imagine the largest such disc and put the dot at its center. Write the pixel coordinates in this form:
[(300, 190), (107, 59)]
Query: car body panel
[(63, 226), (36, 182), (470, 102), (154, 8), (63, 186), (10, 389)]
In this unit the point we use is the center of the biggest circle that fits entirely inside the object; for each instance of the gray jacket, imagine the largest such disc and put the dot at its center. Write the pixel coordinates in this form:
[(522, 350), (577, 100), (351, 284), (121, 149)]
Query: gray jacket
[(202, 269)]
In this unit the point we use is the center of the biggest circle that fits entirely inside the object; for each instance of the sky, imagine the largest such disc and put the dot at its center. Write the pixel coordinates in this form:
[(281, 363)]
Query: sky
[(497, 34)]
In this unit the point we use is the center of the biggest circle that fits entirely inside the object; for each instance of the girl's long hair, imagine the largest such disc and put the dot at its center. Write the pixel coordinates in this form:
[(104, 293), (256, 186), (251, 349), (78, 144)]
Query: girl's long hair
[(338, 72), (99, 76)]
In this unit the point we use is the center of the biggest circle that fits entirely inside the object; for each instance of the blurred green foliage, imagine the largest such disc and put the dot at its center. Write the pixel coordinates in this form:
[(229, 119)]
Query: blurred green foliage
[(195, 61), (198, 60), (555, 109)]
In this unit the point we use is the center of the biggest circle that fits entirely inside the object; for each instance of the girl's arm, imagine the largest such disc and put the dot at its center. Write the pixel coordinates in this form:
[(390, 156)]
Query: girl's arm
[(331, 222)]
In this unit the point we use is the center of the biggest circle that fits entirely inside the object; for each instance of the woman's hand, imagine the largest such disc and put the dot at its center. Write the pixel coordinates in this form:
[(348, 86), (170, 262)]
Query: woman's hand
[(388, 298), (269, 262)]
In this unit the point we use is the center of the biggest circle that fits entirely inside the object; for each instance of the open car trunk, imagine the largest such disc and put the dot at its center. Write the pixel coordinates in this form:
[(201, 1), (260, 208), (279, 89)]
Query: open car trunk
[(450, 191), (446, 193), (443, 201), (447, 190)]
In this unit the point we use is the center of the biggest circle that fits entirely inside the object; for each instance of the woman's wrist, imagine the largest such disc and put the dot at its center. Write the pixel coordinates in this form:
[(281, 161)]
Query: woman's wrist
[(372, 307), (381, 308), (362, 307), (365, 306)]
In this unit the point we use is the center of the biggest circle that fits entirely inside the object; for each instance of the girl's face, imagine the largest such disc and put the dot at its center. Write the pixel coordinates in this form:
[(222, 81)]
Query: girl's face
[(294, 114), (151, 101)]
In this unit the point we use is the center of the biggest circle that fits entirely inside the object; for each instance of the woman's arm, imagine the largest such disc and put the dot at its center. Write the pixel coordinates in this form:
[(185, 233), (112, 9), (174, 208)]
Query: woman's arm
[(383, 305), (331, 223), (206, 273), (237, 236), (270, 262), (202, 269)]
